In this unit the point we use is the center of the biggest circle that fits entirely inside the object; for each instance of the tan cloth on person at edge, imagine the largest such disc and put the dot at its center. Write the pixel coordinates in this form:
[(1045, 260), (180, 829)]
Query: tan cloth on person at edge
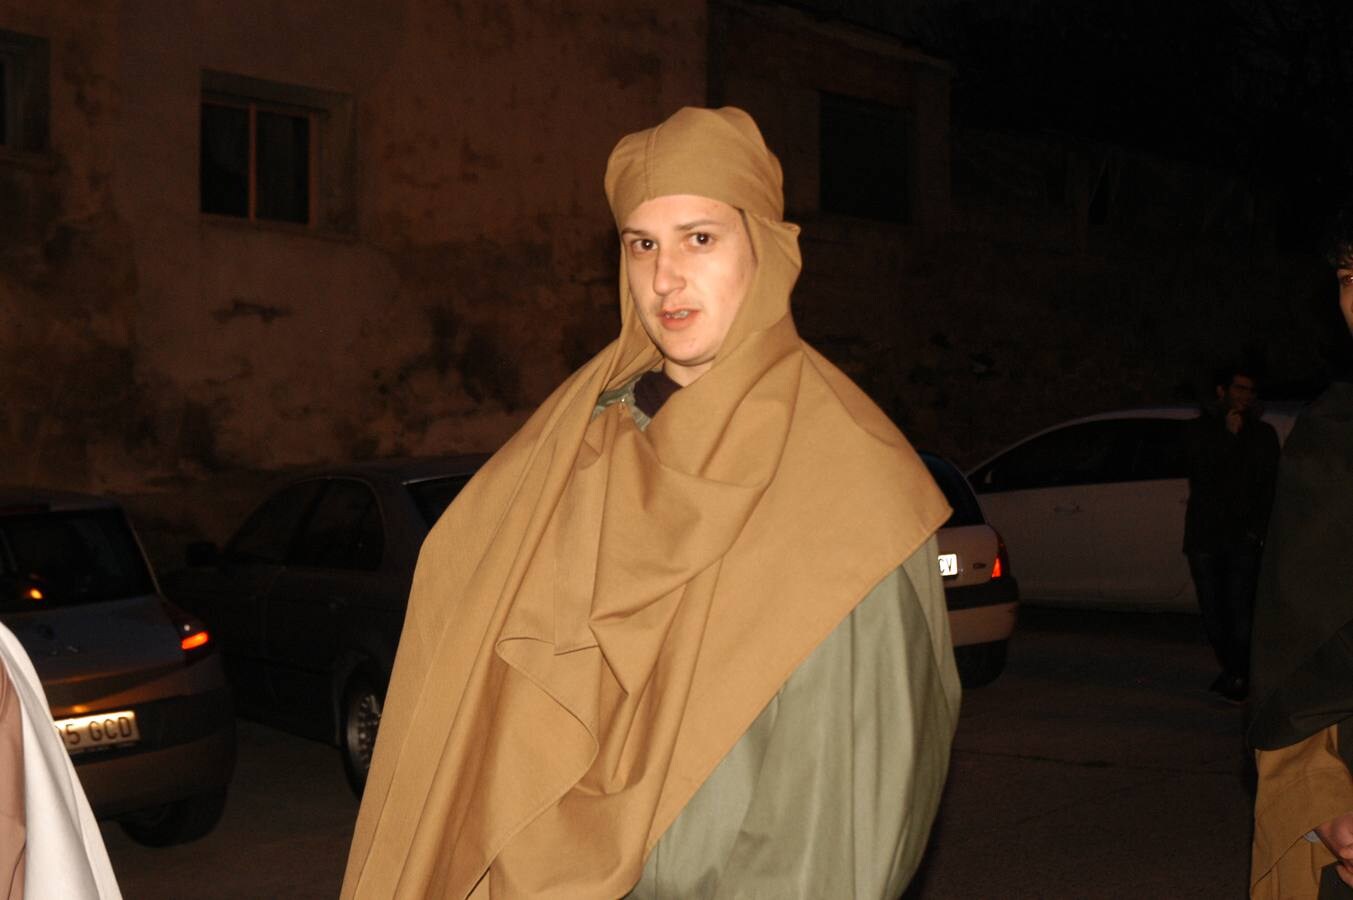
[(1300, 787), (602, 613), (63, 852), (13, 832)]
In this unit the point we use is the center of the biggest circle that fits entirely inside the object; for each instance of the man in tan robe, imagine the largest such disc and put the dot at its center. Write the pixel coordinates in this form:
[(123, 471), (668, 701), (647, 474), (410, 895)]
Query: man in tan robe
[(683, 635)]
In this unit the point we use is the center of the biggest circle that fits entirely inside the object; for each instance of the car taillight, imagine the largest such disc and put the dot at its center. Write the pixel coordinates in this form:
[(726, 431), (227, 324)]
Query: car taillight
[(194, 639), (1001, 566)]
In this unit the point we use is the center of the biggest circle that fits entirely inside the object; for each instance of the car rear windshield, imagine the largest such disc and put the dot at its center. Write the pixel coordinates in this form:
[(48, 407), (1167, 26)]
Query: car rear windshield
[(433, 495), (68, 558), (956, 491)]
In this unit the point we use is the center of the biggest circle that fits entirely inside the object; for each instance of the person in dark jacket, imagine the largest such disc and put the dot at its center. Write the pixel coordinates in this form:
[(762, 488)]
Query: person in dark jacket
[(1301, 715), (1233, 461)]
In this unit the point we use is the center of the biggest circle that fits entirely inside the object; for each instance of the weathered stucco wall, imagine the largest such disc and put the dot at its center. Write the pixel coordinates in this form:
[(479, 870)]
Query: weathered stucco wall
[(152, 351), (68, 281), (144, 341)]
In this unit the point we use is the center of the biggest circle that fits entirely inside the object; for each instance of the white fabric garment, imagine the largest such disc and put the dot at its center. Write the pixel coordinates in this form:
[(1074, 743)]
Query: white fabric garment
[(65, 856)]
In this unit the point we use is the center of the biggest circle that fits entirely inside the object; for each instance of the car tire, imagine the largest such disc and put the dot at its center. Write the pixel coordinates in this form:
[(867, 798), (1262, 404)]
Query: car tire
[(980, 664), (363, 700), (175, 823)]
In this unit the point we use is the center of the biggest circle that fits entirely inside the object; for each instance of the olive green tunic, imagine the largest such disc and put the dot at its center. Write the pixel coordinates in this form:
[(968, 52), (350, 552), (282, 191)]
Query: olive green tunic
[(832, 791)]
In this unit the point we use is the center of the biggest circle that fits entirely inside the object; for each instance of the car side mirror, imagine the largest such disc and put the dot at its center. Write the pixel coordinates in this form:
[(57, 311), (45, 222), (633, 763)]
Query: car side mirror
[(202, 553)]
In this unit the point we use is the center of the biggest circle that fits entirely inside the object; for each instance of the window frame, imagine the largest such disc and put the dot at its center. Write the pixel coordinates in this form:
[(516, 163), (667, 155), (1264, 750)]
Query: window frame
[(330, 484), (253, 107), (231, 552), (831, 102), (332, 149), (1123, 460), (27, 94), (1096, 435)]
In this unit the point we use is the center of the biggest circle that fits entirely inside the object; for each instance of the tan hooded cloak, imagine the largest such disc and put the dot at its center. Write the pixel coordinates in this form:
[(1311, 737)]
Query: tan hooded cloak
[(603, 612)]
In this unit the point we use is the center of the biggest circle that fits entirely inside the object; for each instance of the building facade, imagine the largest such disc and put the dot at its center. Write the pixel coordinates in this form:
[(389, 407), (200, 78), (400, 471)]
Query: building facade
[(238, 238)]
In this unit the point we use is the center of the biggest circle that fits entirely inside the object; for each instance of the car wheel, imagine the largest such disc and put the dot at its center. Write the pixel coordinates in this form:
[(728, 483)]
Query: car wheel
[(980, 664), (175, 823), (362, 705)]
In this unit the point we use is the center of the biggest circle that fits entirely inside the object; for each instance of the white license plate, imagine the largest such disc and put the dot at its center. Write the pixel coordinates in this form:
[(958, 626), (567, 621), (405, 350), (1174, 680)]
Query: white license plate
[(948, 564), (108, 729)]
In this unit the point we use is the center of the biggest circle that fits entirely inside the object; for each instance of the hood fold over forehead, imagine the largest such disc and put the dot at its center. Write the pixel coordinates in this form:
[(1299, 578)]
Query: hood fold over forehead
[(720, 154), (716, 153)]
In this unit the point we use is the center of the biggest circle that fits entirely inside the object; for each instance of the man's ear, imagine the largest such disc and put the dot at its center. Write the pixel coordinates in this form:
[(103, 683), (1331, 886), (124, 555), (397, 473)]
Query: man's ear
[(1221, 391)]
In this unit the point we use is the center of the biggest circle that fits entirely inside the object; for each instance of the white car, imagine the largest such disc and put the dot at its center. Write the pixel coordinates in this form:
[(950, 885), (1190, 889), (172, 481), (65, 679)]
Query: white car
[(979, 588), (1093, 508)]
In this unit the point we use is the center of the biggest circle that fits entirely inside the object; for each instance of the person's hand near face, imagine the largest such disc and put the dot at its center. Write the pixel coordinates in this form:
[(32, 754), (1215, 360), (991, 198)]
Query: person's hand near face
[(1337, 835)]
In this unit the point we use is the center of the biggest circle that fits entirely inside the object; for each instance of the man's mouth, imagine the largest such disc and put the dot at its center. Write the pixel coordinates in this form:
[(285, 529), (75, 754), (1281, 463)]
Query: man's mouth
[(678, 319)]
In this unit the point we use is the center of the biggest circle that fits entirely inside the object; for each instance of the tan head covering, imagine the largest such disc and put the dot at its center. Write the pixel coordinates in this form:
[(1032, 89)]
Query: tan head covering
[(602, 612)]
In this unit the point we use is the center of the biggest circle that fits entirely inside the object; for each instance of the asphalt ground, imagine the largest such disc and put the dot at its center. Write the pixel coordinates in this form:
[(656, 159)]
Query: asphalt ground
[(1097, 765)]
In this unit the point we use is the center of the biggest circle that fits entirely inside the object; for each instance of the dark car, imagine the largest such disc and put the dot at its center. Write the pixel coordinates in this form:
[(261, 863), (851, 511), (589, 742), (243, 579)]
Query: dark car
[(308, 596), (135, 685), (979, 588)]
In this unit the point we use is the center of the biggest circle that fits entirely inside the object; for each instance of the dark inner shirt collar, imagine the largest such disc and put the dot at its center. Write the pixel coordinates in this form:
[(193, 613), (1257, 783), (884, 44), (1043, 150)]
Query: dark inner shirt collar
[(652, 390)]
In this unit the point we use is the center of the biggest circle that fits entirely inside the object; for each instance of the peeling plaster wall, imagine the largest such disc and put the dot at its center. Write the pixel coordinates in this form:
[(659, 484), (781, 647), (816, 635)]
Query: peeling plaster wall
[(151, 351), (143, 343), (68, 279)]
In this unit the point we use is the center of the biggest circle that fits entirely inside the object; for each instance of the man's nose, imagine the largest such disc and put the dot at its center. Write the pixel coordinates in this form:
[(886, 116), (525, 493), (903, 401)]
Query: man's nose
[(667, 275)]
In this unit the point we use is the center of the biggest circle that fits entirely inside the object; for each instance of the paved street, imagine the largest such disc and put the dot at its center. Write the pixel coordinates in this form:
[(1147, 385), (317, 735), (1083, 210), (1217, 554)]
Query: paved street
[(1096, 766), (284, 835)]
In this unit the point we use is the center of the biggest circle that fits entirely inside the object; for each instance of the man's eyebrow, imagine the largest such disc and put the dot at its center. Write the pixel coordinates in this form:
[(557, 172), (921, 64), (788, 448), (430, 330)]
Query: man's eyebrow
[(684, 226), (699, 223)]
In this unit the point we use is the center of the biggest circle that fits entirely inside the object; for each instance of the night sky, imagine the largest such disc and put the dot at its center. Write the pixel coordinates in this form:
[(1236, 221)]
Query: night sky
[(1261, 88)]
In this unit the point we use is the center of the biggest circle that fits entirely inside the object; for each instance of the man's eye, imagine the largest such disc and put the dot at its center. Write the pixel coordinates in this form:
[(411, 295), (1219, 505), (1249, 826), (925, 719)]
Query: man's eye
[(643, 245), (702, 238)]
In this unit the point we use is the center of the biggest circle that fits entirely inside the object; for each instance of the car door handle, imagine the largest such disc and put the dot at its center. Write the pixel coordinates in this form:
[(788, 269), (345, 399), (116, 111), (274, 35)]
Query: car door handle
[(1067, 510)]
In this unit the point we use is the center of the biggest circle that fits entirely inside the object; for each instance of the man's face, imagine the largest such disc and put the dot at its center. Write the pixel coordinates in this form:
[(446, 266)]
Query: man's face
[(1240, 394), (689, 262), (1345, 275)]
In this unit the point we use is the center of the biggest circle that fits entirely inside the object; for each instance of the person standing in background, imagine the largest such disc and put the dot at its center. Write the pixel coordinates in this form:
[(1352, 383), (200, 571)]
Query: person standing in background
[(1233, 461)]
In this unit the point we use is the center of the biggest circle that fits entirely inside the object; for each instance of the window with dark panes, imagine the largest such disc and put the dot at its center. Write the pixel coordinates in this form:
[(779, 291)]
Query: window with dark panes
[(277, 153), (1078, 454), (956, 491), (1160, 450), (267, 535), (4, 101), (343, 532), (434, 495), (225, 160), (865, 158), (257, 161), (23, 92), (69, 558)]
